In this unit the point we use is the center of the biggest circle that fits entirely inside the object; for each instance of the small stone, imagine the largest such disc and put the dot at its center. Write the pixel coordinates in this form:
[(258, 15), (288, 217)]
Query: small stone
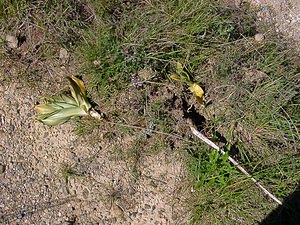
[(255, 76), (134, 214), (2, 168), (2, 120), (64, 55), (237, 3), (85, 193), (46, 134), (117, 211), (259, 37), (232, 3), (255, 3), (96, 62), (147, 206), (12, 41)]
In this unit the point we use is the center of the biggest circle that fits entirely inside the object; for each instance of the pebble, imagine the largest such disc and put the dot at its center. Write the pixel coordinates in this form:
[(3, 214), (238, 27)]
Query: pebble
[(2, 168), (238, 3), (117, 211), (96, 62), (85, 193), (63, 55), (259, 37), (12, 41), (147, 206)]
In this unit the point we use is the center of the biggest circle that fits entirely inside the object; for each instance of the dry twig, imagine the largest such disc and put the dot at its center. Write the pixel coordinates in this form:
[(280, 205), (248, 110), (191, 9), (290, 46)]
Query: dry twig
[(234, 162)]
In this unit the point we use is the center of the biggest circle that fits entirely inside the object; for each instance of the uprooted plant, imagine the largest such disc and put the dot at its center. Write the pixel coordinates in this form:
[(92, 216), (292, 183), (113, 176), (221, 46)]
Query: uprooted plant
[(62, 108)]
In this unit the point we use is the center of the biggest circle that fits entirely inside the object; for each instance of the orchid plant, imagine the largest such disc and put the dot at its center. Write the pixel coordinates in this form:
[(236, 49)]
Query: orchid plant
[(183, 76), (62, 108)]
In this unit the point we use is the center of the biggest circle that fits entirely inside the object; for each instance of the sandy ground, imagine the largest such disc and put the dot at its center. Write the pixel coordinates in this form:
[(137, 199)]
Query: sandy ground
[(33, 184), (283, 14)]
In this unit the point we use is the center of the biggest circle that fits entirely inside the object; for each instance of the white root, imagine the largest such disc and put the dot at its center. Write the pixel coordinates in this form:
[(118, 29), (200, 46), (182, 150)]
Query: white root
[(234, 162), (93, 113)]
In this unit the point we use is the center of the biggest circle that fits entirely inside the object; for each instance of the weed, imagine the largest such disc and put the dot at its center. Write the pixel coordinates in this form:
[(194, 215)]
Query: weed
[(160, 118), (85, 126), (139, 39), (69, 171), (211, 169)]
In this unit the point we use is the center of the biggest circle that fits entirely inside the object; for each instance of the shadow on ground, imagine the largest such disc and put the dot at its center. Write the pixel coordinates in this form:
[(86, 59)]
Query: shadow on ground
[(288, 213)]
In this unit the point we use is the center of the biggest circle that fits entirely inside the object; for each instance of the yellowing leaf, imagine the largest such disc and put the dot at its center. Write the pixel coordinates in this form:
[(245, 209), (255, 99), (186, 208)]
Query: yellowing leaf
[(44, 108), (197, 92), (80, 84), (174, 76), (78, 92), (179, 68), (61, 108), (60, 116)]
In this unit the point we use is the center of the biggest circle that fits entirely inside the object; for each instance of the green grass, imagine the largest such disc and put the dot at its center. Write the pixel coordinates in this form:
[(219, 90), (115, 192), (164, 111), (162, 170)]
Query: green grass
[(252, 95), (42, 28), (251, 88), (152, 35)]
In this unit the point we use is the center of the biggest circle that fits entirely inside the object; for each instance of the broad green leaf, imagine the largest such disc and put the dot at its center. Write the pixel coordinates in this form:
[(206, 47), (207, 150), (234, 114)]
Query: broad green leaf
[(65, 98), (79, 93), (64, 105), (61, 116)]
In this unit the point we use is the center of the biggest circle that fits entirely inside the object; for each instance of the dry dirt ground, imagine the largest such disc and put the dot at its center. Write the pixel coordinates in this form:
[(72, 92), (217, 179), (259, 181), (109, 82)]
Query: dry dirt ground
[(99, 189), (36, 187), (283, 14)]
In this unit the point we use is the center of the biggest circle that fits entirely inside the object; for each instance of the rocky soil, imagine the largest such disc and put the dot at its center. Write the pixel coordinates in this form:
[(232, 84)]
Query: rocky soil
[(284, 15)]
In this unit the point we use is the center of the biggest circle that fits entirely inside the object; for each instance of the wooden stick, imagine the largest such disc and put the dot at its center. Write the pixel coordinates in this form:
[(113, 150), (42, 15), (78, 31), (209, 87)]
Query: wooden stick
[(234, 162), (100, 116)]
